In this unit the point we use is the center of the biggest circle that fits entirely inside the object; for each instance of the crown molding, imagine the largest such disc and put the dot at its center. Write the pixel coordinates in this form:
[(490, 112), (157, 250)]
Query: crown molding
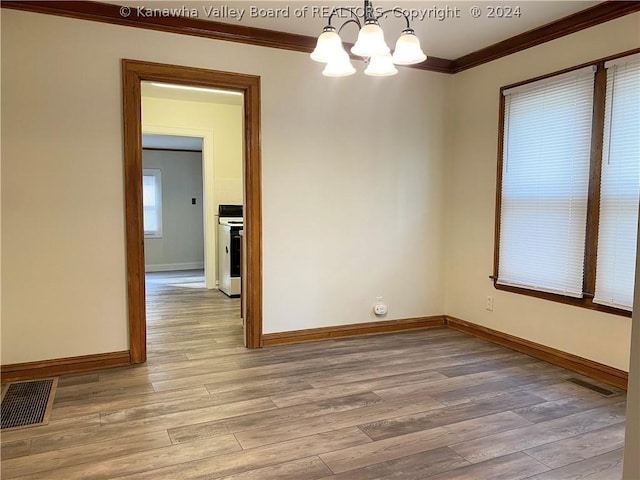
[(603, 12), (111, 13)]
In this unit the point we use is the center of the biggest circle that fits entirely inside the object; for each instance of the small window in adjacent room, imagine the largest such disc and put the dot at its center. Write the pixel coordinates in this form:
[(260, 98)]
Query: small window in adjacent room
[(569, 186), (152, 202)]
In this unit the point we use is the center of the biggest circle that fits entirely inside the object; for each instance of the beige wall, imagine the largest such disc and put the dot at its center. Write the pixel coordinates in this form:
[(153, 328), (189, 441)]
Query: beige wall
[(181, 246), (471, 189), (353, 174)]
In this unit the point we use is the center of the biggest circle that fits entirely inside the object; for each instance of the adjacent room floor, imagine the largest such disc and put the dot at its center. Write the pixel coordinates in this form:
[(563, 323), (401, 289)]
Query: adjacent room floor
[(433, 404)]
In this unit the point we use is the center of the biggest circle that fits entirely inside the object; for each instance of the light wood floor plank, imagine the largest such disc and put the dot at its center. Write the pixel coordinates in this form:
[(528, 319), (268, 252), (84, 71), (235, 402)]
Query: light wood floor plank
[(422, 441), (401, 425), (273, 418), (562, 390), (333, 421), (55, 427), (510, 359), (580, 447), (607, 466), (516, 466), (411, 467), (88, 407), (147, 425), (504, 443), (16, 449), (266, 371), (309, 468), (141, 461), (443, 385), (52, 460), (553, 409), (78, 379), (256, 458), (98, 392), (364, 370), (199, 403), (296, 398)]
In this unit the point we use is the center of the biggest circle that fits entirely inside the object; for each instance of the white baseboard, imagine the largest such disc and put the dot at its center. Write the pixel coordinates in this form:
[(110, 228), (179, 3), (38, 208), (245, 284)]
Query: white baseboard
[(168, 267)]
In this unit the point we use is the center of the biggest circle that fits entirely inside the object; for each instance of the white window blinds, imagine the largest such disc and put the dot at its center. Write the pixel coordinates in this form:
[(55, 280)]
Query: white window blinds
[(152, 201), (545, 180), (620, 186)]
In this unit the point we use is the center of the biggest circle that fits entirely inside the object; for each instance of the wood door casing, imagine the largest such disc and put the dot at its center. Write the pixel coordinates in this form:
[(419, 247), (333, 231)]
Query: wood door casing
[(133, 73)]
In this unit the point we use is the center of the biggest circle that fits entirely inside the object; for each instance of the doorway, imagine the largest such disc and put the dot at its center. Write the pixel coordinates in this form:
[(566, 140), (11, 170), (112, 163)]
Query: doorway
[(134, 73), (173, 201)]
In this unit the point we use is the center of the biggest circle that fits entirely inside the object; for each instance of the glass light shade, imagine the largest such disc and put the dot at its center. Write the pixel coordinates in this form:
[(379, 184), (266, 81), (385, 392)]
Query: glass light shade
[(370, 41), (328, 47), (408, 49), (381, 66), (340, 66)]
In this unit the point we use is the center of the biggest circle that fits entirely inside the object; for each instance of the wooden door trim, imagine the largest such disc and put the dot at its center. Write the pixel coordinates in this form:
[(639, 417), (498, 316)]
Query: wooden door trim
[(133, 73)]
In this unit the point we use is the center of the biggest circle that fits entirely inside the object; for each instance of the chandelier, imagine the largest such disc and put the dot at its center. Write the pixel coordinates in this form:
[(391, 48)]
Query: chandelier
[(370, 44)]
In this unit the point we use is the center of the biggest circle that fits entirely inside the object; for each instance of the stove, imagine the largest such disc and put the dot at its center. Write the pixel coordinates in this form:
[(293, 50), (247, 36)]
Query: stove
[(230, 222), (233, 221)]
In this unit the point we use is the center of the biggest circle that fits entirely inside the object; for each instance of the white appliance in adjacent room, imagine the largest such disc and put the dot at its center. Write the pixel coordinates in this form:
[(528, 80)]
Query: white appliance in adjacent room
[(230, 222)]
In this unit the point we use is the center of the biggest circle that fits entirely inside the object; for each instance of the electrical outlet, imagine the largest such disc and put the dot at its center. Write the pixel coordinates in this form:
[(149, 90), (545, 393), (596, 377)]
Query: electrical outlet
[(489, 305), (380, 308)]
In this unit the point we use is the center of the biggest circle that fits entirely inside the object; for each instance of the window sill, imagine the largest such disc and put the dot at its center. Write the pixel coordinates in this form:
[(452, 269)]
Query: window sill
[(577, 302)]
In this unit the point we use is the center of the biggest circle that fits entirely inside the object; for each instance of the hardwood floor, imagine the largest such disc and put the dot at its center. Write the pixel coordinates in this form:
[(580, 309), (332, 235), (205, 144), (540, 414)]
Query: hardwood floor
[(434, 404)]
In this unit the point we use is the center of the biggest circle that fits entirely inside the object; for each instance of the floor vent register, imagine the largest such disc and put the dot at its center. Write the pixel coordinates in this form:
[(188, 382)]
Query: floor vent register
[(602, 391), (27, 404)]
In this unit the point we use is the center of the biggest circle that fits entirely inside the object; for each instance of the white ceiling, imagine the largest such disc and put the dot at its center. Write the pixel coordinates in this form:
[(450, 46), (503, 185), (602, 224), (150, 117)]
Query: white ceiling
[(447, 38), (173, 142), (176, 142), (150, 89)]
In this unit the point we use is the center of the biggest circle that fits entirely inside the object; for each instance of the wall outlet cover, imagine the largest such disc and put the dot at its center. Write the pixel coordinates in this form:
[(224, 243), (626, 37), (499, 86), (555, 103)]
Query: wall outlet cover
[(380, 309)]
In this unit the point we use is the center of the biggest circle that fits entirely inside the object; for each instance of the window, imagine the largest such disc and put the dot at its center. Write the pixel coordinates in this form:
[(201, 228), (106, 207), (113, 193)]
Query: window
[(545, 183), (152, 202), (620, 188), (569, 186)]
